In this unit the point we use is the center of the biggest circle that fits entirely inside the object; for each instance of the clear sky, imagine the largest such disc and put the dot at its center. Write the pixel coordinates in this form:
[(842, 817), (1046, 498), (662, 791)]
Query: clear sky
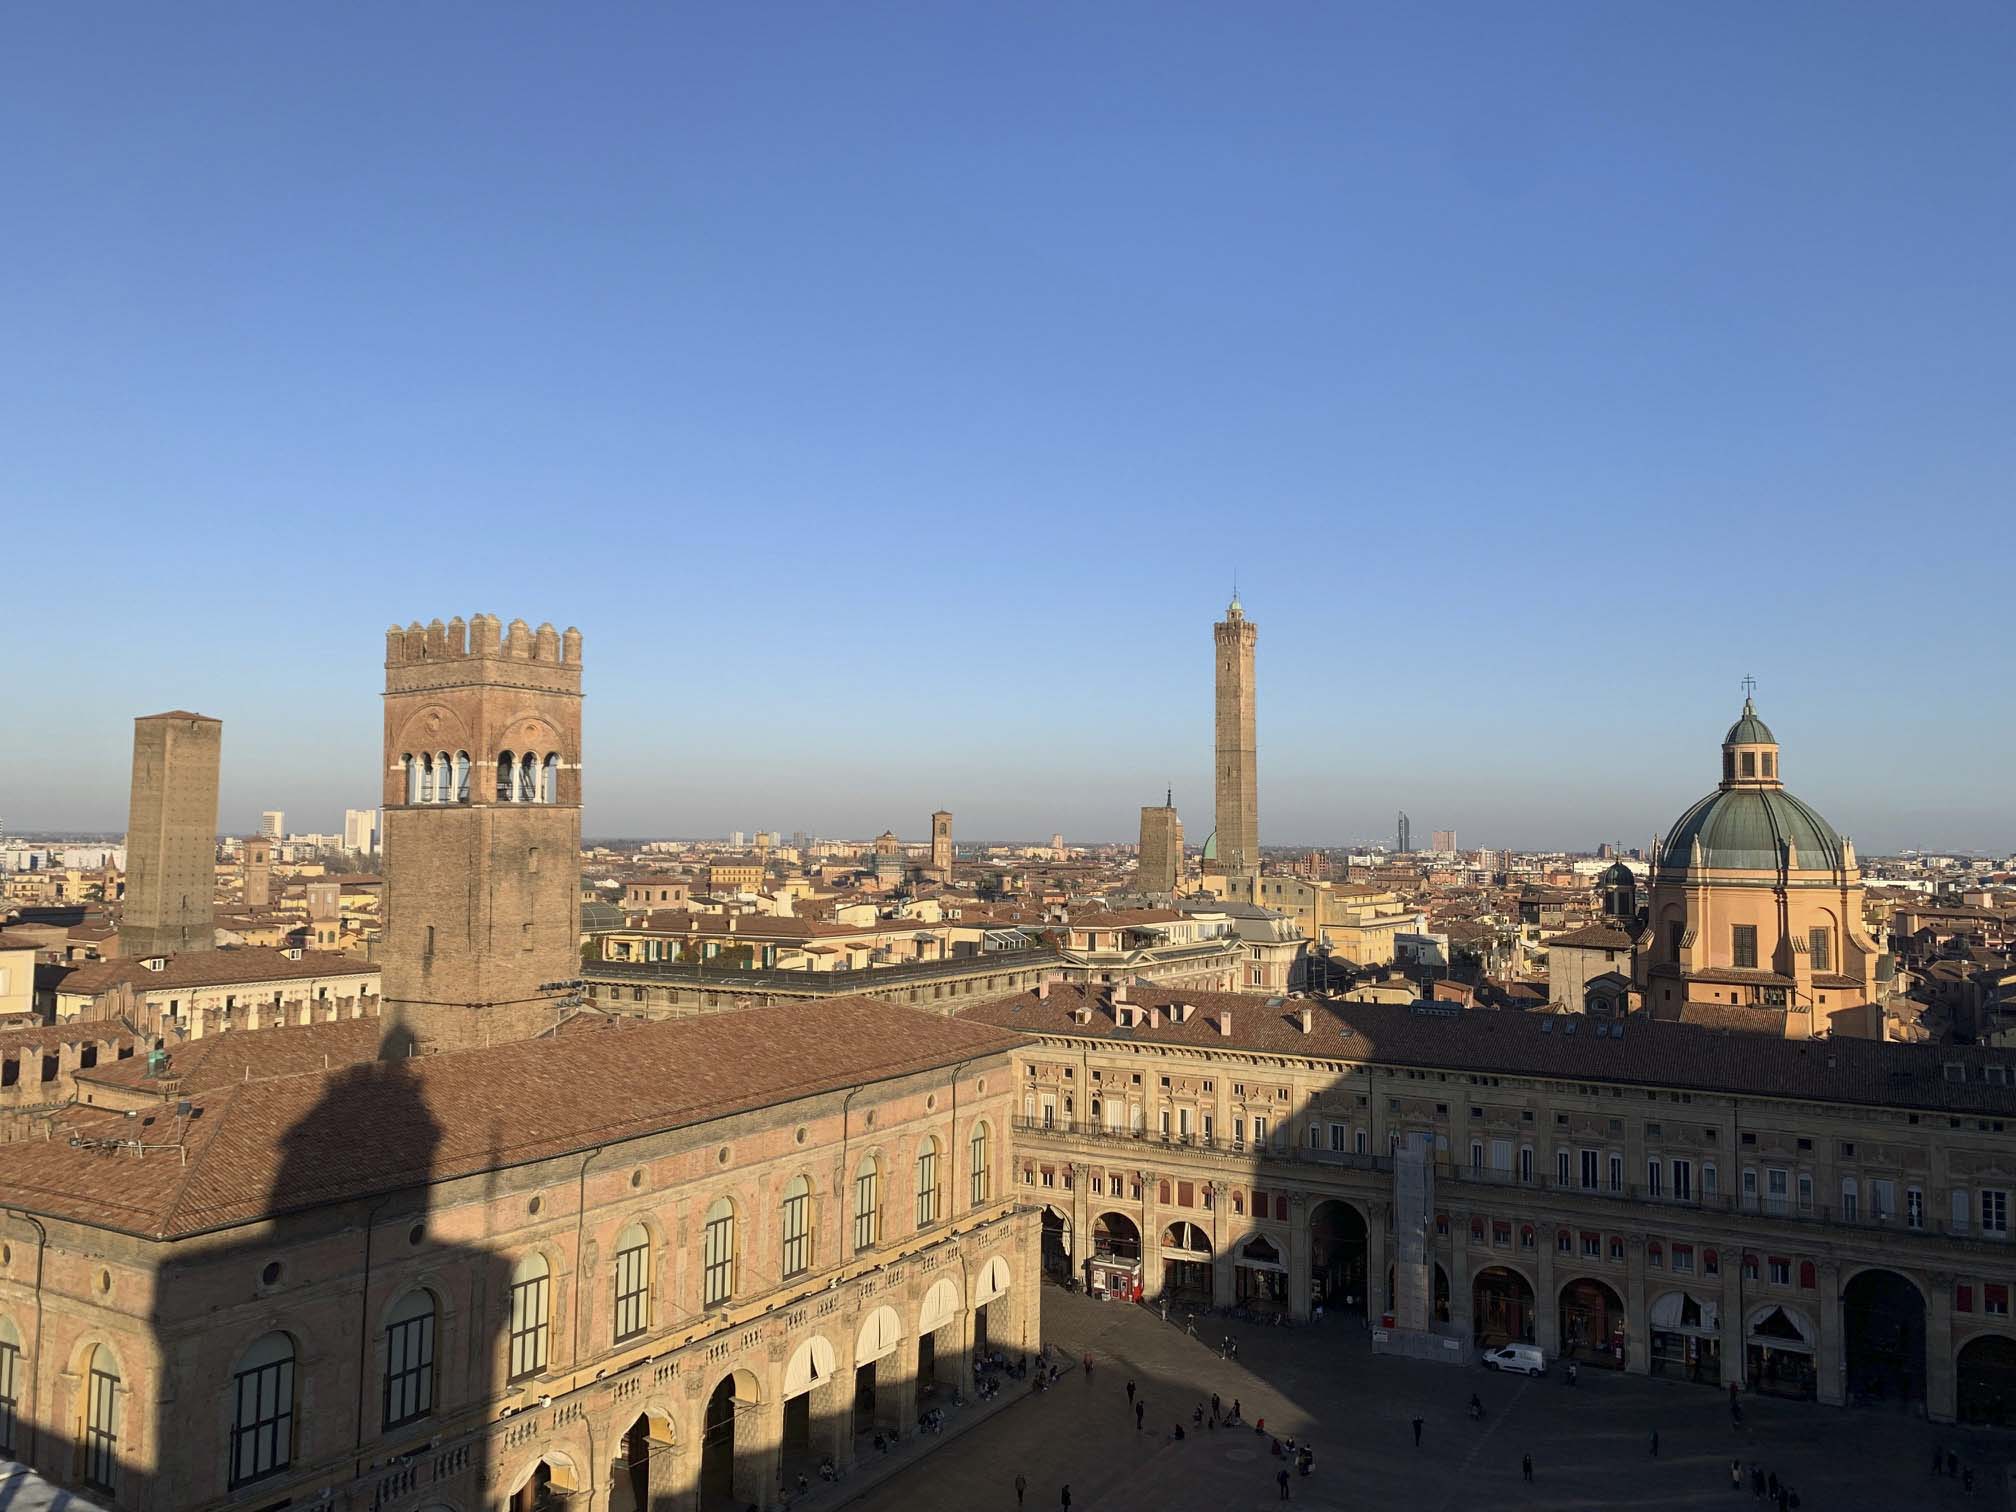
[(890, 393)]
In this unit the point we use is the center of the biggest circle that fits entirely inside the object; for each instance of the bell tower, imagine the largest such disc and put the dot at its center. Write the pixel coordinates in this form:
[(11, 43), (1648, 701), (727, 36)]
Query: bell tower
[(482, 828)]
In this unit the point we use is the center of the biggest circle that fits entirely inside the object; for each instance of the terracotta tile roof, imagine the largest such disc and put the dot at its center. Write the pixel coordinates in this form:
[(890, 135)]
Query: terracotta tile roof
[(182, 714), (224, 1060), (217, 968), (18, 942), (1651, 1053), (1125, 918), (1593, 937), (251, 1150)]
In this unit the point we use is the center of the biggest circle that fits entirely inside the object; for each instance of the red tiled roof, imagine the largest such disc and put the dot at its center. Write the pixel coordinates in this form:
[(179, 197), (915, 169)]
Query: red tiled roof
[(217, 968), (292, 1142), (1650, 1053), (225, 1060)]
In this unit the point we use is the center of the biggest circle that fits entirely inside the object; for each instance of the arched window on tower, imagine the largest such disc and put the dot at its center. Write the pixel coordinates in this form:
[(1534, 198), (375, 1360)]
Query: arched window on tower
[(549, 780), (412, 778), (426, 779), (461, 776), (528, 778), (444, 778), (507, 777)]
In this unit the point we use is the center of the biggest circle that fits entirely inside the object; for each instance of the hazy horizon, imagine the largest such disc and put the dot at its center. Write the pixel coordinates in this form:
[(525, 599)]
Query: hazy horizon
[(891, 396)]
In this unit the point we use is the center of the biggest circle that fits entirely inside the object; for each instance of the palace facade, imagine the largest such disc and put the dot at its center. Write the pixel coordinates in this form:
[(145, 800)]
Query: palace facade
[(1820, 1218)]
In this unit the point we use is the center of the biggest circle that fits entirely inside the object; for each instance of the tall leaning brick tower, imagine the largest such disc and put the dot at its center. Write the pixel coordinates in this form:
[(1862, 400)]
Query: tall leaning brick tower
[(1237, 781), (481, 829)]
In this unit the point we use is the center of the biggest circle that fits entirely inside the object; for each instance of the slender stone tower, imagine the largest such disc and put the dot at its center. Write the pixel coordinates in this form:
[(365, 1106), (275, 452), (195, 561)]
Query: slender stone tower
[(941, 842), (1237, 780), (171, 836), (1161, 868)]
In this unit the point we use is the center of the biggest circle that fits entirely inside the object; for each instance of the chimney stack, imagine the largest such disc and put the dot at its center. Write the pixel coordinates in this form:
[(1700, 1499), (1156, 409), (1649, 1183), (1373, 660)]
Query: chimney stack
[(1225, 1022), (1308, 1017)]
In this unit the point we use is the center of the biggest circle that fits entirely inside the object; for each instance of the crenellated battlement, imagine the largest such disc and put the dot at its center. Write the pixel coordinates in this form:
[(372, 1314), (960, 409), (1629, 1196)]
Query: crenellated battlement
[(482, 636)]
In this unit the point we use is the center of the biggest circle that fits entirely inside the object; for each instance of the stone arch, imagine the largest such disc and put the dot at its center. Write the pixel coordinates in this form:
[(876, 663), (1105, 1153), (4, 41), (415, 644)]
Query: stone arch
[(1502, 1304), (1593, 1322), (642, 1473), (731, 1454), (1339, 1249), (1116, 1234), (1056, 1240), (549, 1476), (993, 1281), (1883, 1335), (1984, 1375)]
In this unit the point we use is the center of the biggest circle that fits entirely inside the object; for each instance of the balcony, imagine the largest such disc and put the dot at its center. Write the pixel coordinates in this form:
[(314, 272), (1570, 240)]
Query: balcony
[(1715, 1204)]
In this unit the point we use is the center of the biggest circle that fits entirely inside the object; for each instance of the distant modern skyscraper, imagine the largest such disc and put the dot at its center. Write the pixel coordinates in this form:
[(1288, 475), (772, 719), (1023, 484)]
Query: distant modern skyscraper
[(735, 840), (1161, 868), (1443, 842), (1404, 841), (360, 830), (941, 841), (1237, 780), (273, 824), (171, 836)]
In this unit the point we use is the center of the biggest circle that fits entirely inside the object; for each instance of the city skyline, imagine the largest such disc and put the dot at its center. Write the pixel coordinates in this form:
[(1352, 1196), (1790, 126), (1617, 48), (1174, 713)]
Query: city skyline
[(1534, 399)]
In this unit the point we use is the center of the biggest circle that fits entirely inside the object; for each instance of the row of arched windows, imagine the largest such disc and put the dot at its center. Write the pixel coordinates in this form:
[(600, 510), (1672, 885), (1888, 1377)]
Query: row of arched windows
[(522, 777)]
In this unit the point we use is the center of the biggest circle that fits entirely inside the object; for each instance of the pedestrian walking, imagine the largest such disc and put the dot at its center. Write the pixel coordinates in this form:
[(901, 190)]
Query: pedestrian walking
[(1235, 1349), (1967, 1480), (1235, 1409), (1526, 1467), (1784, 1497), (1130, 1388), (1214, 1404), (1757, 1480), (1736, 1475), (1771, 1485), (1066, 1502), (1088, 1369), (1417, 1433), (1655, 1443), (1140, 1412), (1281, 1480), (1021, 1488)]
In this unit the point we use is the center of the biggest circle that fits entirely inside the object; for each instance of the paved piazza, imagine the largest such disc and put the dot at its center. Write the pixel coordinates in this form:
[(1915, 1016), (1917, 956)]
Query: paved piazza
[(1591, 1444)]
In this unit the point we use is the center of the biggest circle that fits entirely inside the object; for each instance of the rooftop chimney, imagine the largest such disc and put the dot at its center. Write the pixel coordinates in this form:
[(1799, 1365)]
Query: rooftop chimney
[(1225, 1022), (1119, 992), (1154, 1018), (1308, 1017)]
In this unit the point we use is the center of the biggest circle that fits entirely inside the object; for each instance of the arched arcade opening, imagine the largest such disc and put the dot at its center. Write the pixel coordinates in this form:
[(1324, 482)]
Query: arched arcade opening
[(1186, 1264), (1501, 1307), (1985, 1381), (1337, 1253), (1883, 1339), (1592, 1324), (730, 1460)]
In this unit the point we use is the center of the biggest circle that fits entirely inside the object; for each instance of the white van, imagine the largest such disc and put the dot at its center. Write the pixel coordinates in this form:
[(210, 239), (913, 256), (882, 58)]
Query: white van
[(1521, 1359)]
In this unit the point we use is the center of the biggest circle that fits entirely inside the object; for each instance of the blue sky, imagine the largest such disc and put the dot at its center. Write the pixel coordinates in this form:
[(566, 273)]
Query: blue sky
[(890, 393)]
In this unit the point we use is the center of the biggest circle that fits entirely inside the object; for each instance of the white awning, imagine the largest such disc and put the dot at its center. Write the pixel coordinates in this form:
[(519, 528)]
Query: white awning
[(1804, 1344), (993, 1282), (811, 1366), (1670, 1313), (880, 1334), (941, 1305)]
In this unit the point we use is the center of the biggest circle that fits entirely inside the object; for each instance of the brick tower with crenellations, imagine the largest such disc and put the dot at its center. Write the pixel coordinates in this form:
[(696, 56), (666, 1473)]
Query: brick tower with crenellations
[(482, 829)]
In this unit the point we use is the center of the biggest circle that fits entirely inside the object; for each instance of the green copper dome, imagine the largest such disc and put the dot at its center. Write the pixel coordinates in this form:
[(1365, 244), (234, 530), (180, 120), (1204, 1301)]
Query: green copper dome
[(1749, 729), (1746, 828)]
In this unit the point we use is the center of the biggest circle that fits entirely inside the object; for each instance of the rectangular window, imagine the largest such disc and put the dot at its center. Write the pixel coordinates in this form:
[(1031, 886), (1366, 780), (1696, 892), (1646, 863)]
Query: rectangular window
[(797, 1233), (101, 1430), (1655, 1178), (1963, 1209), (1259, 1132), (1683, 1258), (717, 1272), (1914, 1207), (409, 1369), (1995, 1299), (528, 1327), (1676, 933), (1743, 945), (1683, 1181), (1476, 1154), (632, 1291), (1710, 1182), (1820, 944), (977, 1177), (1358, 1140), (10, 1395), (1526, 1162), (1851, 1199), (867, 1210), (1592, 1246), (927, 1185), (1616, 1173), (1339, 1140), (1777, 1188), (1781, 1272), (1995, 1214), (1561, 1158), (1589, 1169), (1805, 1191)]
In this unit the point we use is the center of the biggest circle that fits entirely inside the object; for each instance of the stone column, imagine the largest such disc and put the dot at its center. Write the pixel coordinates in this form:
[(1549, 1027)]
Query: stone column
[(1461, 1309), (1735, 1355), (1151, 1233), (767, 1462), (1637, 1338), (1298, 1256), (1546, 1293), (1079, 1245), (1941, 1384), (1221, 1238), (1378, 1215), (1831, 1365)]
